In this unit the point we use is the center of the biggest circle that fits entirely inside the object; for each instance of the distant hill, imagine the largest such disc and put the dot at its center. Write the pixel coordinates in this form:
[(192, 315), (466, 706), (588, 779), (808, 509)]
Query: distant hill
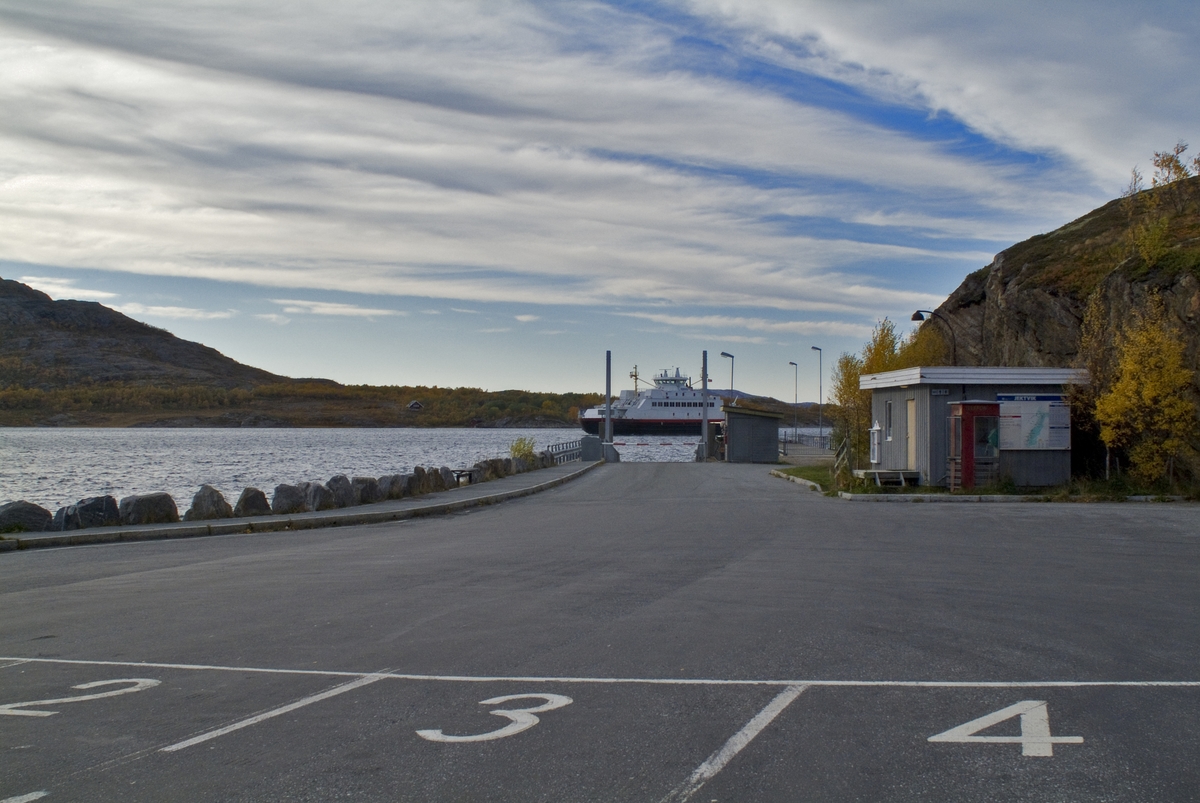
[(1025, 308), (49, 344), (79, 363)]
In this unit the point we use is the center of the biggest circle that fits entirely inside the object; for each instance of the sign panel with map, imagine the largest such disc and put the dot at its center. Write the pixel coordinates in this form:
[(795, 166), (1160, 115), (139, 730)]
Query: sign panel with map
[(1034, 422)]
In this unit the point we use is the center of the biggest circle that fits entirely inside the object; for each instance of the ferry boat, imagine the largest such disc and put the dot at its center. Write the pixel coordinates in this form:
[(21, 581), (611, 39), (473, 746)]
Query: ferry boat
[(672, 406)]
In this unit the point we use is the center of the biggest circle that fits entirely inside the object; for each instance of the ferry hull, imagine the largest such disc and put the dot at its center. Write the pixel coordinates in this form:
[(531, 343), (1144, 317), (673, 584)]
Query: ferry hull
[(623, 426)]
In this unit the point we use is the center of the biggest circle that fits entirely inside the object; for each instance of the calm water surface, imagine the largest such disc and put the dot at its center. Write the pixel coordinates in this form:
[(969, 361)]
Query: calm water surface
[(56, 467)]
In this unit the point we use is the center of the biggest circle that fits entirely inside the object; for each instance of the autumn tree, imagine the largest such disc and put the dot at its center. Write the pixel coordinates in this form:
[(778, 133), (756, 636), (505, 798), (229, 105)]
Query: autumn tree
[(1149, 408), (886, 350)]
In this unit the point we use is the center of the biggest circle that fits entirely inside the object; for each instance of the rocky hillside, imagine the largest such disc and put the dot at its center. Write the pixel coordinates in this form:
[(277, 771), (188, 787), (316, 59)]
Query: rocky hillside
[(49, 344), (1026, 307)]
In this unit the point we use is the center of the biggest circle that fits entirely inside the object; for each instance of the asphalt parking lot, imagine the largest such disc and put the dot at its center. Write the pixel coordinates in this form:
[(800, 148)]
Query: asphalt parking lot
[(648, 632)]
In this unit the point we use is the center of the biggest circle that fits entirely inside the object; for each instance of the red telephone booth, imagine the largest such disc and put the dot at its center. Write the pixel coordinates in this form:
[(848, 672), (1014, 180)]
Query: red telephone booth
[(974, 444)]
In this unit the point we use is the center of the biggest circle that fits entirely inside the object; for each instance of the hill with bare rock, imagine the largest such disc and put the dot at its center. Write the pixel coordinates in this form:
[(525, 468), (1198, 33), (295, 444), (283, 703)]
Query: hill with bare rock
[(79, 363), (47, 344), (1026, 308)]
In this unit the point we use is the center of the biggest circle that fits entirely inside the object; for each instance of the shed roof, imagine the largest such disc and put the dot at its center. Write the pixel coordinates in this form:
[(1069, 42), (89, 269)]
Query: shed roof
[(972, 375)]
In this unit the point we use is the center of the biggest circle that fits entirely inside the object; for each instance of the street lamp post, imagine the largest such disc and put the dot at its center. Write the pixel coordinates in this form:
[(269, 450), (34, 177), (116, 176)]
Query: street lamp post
[(795, 397), (730, 356), (820, 394), (918, 316)]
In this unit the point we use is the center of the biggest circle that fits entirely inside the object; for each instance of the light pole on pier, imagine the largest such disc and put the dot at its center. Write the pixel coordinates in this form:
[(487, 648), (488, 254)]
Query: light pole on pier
[(820, 394), (730, 356), (795, 397)]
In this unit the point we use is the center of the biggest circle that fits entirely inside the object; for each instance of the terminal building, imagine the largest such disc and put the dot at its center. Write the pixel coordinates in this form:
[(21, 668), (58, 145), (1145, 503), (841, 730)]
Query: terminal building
[(964, 427)]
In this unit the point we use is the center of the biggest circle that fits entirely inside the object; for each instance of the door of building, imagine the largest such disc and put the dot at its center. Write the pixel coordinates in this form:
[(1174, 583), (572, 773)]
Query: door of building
[(910, 434)]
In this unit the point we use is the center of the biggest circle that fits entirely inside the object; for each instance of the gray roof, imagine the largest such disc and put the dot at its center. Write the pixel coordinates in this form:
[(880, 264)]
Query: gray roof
[(973, 375)]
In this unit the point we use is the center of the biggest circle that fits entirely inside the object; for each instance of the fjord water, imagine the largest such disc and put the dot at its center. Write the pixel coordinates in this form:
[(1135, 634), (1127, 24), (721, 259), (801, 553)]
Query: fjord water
[(53, 467)]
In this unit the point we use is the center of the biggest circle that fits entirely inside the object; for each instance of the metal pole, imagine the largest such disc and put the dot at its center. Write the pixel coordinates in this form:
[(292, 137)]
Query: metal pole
[(608, 397), (820, 396), (704, 404), (795, 400)]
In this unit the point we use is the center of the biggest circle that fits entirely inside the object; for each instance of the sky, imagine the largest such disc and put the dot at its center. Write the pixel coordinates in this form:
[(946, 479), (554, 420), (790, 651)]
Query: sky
[(493, 194)]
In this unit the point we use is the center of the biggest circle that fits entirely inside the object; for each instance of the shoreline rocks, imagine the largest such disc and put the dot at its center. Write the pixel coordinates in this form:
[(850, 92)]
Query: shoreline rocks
[(209, 503)]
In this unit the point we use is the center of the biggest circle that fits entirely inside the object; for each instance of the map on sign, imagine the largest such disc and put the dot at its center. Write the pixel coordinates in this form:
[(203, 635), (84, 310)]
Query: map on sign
[(1034, 422)]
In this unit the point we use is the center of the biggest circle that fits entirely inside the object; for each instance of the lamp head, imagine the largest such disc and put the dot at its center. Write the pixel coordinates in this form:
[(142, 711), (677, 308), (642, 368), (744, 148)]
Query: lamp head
[(917, 316), (792, 363), (726, 354), (815, 348)]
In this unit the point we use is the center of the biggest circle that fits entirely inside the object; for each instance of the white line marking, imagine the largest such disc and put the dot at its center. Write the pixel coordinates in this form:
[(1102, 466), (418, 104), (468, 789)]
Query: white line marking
[(1035, 738), (245, 723), (717, 761), (926, 684), (24, 798), (22, 709), (9, 665)]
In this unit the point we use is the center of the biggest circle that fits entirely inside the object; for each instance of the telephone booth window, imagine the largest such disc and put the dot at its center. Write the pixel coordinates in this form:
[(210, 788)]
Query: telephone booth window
[(987, 436)]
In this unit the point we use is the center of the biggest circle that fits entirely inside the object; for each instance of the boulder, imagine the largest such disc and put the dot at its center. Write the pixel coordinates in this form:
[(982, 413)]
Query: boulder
[(412, 485), (319, 497), (288, 499), (385, 485), (342, 490), (95, 511), (509, 467), (519, 465), (155, 508), (252, 502), (22, 516), (367, 489), (436, 481), (422, 480), (208, 503), (448, 478)]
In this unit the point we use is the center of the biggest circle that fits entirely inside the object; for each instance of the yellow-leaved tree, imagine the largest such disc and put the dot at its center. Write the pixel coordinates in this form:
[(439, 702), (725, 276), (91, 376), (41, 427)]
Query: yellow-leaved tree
[(1150, 409), (885, 351)]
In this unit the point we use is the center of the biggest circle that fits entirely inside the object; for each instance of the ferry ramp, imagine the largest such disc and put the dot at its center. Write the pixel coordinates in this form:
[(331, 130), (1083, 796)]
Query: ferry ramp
[(647, 632)]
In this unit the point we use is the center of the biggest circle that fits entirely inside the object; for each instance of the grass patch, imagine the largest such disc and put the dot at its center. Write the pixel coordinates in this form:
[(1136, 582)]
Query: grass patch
[(821, 475)]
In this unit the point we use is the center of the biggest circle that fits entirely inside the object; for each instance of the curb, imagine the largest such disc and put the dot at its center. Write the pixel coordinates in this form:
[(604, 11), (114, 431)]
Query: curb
[(938, 498), (990, 498), (264, 524), (798, 480)]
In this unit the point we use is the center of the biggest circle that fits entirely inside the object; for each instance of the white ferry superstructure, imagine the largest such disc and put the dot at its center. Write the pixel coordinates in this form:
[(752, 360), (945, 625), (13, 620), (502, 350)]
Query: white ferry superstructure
[(672, 406)]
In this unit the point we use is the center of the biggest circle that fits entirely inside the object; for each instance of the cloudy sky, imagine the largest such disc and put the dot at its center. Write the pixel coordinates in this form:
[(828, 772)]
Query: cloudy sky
[(492, 194)]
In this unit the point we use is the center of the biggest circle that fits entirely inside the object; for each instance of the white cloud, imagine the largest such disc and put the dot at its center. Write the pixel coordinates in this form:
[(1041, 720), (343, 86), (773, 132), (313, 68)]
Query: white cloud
[(133, 309), (274, 317), (527, 318), (840, 328), (64, 288), (494, 331), (298, 307)]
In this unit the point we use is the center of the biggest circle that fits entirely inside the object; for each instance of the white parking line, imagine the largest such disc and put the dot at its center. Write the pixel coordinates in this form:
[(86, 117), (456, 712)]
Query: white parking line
[(920, 684), (24, 798), (717, 761), (245, 723)]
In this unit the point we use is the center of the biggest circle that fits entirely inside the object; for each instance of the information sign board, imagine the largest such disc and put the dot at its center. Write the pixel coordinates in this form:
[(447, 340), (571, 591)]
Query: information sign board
[(1034, 422)]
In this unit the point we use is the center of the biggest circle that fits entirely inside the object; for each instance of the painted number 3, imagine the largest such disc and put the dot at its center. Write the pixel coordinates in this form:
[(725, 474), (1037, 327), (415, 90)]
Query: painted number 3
[(522, 719)]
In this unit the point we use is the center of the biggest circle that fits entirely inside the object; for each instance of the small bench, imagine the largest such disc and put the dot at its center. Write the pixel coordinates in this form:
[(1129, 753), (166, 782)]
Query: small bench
[(889, 476)]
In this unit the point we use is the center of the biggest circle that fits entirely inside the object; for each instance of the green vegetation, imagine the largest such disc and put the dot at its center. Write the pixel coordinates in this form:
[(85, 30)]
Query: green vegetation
[(522, 449), (821, 475), (299, 403)]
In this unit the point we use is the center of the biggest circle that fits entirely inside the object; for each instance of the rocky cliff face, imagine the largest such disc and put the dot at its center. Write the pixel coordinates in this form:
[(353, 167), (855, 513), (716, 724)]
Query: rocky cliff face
[(49, 344), (1026, 307)]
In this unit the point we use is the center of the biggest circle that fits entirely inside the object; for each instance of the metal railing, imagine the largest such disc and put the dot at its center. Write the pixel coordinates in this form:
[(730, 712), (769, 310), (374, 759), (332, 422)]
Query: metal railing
[(565, 452)]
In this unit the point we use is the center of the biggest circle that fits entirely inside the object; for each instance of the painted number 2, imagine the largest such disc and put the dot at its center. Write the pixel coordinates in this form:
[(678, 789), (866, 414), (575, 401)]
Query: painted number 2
[(18, 709), (1035, 738), (522, 719)]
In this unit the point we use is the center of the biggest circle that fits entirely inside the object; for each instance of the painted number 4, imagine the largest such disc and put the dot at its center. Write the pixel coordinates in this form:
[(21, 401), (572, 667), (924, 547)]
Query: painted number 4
[(1035, 738)]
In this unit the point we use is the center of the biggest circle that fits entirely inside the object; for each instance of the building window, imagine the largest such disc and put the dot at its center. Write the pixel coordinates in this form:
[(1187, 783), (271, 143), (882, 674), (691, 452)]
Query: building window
[(887, 420)]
